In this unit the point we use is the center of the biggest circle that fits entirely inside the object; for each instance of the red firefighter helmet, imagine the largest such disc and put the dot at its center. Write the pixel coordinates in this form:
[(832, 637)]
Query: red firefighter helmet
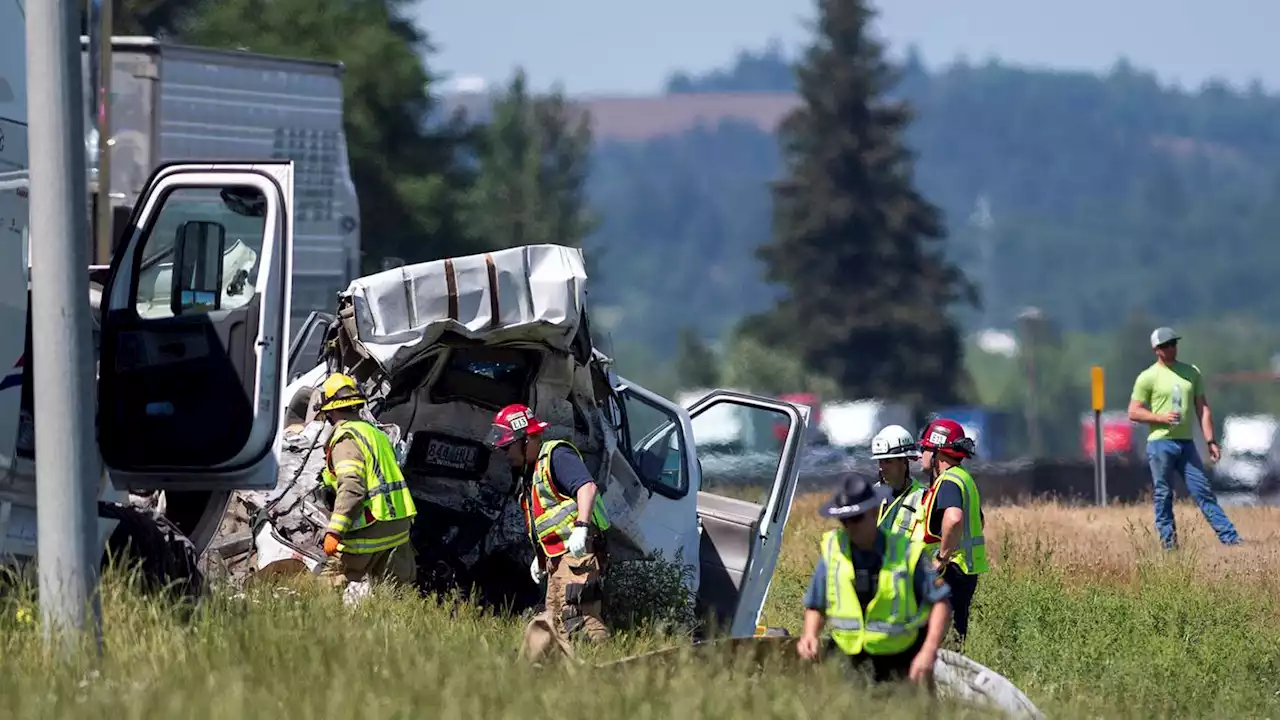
[(512, 423), (947, 437)]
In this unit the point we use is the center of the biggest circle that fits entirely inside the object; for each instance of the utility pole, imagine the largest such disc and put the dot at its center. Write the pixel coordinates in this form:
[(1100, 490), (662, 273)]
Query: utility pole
[(102, 94), (67, 468)]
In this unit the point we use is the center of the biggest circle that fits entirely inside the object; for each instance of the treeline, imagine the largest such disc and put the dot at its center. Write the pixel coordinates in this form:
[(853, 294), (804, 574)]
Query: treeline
[(1106, 194), (1110, 203), (841, 253)]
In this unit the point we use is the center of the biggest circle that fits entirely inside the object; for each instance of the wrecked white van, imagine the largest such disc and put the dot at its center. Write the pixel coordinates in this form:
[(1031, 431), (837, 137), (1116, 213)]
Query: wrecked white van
[(439, 347)]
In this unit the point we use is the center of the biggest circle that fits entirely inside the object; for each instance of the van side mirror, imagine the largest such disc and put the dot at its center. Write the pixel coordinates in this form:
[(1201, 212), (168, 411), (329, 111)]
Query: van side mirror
[(197, 267)]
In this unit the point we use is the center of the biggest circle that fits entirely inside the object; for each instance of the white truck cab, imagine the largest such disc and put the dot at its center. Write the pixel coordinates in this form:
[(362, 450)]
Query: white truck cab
[(193, 331)]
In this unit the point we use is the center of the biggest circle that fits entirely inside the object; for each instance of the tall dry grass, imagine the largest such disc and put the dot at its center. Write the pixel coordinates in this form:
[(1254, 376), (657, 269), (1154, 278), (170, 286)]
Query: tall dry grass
[(1085, 612), (1111, 545)]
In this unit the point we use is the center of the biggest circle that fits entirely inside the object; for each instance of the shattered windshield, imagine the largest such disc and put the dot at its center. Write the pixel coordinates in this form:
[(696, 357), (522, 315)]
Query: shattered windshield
[(491, 369)]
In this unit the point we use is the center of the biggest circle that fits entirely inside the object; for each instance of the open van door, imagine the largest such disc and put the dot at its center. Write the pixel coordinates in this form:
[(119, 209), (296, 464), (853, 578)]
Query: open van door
[(742, 452), (195, 330), (697, 465)]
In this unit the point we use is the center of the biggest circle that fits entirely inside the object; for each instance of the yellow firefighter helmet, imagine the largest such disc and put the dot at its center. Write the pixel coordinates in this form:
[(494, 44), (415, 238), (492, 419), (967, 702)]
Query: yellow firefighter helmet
[(340, 391)]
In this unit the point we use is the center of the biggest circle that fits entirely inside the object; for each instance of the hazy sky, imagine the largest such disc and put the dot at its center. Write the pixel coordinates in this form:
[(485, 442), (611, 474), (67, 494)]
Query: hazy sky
[(604, 46)]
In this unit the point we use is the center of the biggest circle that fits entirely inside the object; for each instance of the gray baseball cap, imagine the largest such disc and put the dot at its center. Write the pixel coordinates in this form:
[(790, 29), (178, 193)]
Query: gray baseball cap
[(1163, 335)]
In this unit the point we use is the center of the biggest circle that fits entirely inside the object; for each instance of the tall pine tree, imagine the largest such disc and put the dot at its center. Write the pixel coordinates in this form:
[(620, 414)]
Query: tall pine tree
[(530, 184), (856, 246)]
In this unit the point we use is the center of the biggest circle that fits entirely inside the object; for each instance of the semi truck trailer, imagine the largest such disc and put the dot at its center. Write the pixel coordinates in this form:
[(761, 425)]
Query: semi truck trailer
[(172, 103)]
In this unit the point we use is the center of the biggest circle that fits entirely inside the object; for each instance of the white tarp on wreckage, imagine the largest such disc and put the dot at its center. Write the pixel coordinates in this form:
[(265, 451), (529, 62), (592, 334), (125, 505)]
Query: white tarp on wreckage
[(533, 293)]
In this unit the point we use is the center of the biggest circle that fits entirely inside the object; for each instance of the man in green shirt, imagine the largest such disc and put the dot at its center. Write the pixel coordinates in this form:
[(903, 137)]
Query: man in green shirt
[(1170, 390)]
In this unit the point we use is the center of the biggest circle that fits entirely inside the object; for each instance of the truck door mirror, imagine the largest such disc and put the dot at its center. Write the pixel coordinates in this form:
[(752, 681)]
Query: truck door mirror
[(196, 282)]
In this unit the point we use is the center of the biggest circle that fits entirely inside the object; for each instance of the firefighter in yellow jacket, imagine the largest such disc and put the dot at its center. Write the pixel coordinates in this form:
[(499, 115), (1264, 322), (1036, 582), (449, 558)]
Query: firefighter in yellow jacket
[(368, 531), (568, 542), (951, 520)]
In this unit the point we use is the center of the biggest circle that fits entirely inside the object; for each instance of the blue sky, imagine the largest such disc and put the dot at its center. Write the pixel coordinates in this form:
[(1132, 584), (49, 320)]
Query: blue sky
[(598, 46)]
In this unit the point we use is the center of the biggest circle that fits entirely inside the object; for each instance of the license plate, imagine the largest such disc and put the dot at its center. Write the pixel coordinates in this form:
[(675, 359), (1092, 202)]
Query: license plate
[(436, 454)]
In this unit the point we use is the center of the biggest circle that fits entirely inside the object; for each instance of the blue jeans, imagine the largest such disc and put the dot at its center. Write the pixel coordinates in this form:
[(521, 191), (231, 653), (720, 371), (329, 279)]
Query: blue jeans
[(1167, 457)]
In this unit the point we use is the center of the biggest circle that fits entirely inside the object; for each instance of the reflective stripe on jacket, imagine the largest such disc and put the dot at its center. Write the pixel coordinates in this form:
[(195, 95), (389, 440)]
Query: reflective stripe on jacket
[(893, 618), (549, 515), (384, 494), (900, 514), (971, 554)]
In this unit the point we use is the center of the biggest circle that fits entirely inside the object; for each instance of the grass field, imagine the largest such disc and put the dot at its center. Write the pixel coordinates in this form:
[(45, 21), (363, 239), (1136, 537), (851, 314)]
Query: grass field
[(1081, 611), (1086, 614)]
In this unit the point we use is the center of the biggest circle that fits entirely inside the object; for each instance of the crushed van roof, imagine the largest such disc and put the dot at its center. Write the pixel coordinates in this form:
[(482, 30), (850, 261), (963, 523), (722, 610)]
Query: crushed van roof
[(533, 293)]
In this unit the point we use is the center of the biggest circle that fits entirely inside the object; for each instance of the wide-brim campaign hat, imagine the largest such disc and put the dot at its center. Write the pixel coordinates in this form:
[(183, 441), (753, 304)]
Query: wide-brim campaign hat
[(856, 496)]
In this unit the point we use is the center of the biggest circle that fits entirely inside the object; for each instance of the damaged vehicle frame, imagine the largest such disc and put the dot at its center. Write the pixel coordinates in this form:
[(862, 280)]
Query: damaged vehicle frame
[(438, 348)]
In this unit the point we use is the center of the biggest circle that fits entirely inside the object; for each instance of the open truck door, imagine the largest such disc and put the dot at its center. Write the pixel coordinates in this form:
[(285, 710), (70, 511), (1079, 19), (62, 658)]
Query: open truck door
[(195, 330)]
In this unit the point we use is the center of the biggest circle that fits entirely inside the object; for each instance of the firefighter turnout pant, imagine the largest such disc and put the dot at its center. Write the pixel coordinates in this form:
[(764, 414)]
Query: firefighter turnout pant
[(397, 564), (575, 597)]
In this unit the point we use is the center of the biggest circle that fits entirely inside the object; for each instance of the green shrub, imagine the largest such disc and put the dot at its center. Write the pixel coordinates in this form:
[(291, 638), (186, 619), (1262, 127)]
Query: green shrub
[(650, 593)]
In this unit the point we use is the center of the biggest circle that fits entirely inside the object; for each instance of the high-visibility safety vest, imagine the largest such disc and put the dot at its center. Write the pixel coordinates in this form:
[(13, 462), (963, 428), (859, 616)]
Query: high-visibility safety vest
[(387, 495), (548, 514), (971, 554), (900, 514), (893, 618)]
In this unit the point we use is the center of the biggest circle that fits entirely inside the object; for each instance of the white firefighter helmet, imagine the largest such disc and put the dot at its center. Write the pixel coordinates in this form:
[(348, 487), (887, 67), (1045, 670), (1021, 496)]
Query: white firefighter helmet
[(894, 441)]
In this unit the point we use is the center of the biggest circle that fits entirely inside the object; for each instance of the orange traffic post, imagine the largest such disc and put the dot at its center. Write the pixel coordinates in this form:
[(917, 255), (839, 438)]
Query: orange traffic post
[(1099, 455)]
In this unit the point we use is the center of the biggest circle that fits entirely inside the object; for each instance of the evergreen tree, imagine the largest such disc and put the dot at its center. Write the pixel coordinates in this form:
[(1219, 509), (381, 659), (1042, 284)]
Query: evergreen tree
[(532, 171), (856, 246), (161, 18)]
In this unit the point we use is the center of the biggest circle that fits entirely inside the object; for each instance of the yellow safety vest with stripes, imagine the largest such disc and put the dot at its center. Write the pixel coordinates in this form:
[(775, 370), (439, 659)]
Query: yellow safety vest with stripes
[(970, 556), (893, 618), (900, 514), (386, 497), (550, 515)]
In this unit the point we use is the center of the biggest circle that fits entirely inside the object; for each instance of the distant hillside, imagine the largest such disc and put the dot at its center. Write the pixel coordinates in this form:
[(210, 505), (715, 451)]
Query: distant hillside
[(1102, 194), (624, 118)]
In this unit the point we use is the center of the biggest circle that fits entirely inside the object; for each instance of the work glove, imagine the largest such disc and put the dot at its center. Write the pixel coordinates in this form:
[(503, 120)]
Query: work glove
[(331, 544), (535, 572), (578, 542)]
